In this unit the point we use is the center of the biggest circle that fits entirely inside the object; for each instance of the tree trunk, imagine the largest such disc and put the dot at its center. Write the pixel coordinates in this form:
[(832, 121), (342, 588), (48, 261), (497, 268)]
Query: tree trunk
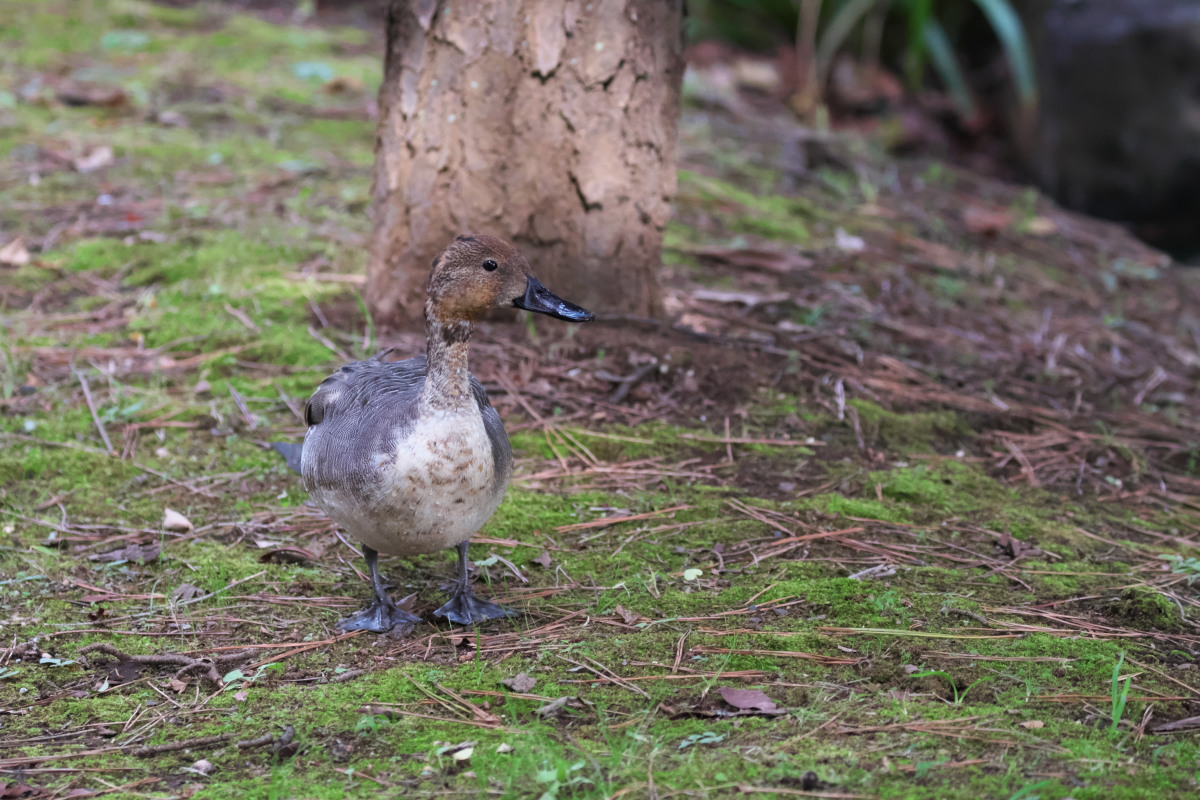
[(550, 122)]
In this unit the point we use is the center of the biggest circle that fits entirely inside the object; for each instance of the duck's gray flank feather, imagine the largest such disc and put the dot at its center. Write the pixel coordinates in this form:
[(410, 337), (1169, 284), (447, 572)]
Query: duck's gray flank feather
[(364, 407)]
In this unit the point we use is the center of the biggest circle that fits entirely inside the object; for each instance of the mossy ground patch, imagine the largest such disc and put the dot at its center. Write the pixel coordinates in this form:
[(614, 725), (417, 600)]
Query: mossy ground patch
[(825, 501)]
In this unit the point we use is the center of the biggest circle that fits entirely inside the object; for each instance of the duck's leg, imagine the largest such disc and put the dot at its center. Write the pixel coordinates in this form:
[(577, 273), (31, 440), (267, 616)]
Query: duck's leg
[(382, 615), (464, 607)]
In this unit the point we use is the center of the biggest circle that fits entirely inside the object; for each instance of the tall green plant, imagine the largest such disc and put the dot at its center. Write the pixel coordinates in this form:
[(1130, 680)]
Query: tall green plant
[(927, 40)]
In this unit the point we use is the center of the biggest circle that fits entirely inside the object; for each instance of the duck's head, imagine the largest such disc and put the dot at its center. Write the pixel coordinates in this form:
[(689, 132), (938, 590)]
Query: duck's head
[(477, 273)]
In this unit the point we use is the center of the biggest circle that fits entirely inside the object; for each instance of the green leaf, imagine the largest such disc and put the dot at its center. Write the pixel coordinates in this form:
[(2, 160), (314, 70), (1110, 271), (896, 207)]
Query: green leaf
[(919, 14), (692, 574), (836, 31), (941, 54), (1011, 33)]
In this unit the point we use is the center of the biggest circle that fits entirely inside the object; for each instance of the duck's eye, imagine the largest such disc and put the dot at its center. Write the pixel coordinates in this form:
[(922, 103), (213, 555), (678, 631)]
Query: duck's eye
[(490, 265)]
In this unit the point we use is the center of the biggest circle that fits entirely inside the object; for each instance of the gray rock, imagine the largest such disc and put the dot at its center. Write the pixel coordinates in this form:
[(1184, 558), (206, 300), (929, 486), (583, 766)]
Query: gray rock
[(1118, 134)]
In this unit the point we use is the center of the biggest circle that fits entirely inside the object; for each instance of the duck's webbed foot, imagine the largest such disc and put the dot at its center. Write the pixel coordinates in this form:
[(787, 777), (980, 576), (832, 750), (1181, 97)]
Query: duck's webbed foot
[(383, 615), (465, 607), (379, 617)]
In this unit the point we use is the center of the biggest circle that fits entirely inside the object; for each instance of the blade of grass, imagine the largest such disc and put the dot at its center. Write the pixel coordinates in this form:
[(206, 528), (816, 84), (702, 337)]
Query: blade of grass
[(945, 63), (836, 31), (1009, 31)]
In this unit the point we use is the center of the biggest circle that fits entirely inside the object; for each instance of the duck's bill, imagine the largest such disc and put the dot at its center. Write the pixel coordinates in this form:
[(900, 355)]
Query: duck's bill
[(540, 299)]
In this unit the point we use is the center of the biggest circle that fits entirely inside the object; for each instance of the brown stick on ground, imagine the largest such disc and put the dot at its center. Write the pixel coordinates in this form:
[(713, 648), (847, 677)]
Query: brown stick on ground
[(206, 666)]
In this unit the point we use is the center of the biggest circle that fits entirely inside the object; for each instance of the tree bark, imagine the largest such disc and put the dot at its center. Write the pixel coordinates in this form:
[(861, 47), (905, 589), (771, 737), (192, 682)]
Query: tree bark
[(550, 122)]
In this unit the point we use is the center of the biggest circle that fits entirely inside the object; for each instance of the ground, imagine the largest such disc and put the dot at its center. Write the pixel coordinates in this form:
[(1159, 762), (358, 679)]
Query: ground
[(915, 456)]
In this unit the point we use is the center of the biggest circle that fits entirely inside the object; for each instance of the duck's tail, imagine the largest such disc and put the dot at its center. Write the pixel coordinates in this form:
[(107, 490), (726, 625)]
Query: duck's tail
[(290, 452)]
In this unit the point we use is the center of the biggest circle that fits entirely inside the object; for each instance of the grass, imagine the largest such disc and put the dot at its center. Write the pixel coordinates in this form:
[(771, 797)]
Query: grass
[(180, 305)]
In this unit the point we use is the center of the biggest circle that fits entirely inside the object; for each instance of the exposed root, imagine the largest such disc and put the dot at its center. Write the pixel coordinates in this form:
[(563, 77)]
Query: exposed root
[(205, 666)]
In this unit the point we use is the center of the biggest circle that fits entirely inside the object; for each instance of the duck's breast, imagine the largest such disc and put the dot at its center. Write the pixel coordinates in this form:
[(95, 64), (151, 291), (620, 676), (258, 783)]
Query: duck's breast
[(401, 478)]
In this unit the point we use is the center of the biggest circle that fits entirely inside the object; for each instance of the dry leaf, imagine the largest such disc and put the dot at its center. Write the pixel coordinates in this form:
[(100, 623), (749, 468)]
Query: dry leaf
[(1185, 724), (15, 254), (177, 685), (464, 754), (174, 521), (287, 555), (504, 747), (748, 299), (848, 243), (94, 159), (186, 592), (240, 696), (778, 261), (1040, 226), (1015, 548), (342, 85), (521, 682), (988, 221), (141, 553), (748, 700), (544, 559), (84, 93), (629, 617), (553, 709), (1033, 724)]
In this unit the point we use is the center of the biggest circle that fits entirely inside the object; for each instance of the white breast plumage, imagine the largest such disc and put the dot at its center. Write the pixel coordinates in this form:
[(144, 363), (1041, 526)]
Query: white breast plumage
[(435, 489)]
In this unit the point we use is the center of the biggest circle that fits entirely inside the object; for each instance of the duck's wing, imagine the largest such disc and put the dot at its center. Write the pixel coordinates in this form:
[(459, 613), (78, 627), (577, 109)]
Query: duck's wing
[(346, 393), (355, 416), (501, 447)]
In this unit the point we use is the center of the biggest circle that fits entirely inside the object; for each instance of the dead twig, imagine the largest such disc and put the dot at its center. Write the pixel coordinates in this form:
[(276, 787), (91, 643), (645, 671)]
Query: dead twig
[(205, 666)]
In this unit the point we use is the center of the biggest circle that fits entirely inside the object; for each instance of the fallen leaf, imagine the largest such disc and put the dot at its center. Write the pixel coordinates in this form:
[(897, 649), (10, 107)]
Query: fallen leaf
[(504, 747), (177, 685), (141, 553), (185, 591), (985, 220), (20, 790), (85, 93), (553, 709), (464, 754), (380, 711), (848, 243), (778, 261), (1185, 724), (341, 85), (1040, 226), (748, 700), (627, 616), (1015, 548), (15, 254), (287, 555), (748, 299), (1033, 724), (544, 559), (124, 672), (521, 682), (174, 521), (240, 696), (203, 766), (94, 159)]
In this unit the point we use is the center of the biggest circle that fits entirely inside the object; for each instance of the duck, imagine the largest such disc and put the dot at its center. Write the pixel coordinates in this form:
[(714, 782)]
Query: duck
[(410, 457)]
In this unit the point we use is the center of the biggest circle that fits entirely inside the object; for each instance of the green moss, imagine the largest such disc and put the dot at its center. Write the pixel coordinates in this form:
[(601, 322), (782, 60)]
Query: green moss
[(918, 432), (1143, 608), (252, 189), (771, 215)]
